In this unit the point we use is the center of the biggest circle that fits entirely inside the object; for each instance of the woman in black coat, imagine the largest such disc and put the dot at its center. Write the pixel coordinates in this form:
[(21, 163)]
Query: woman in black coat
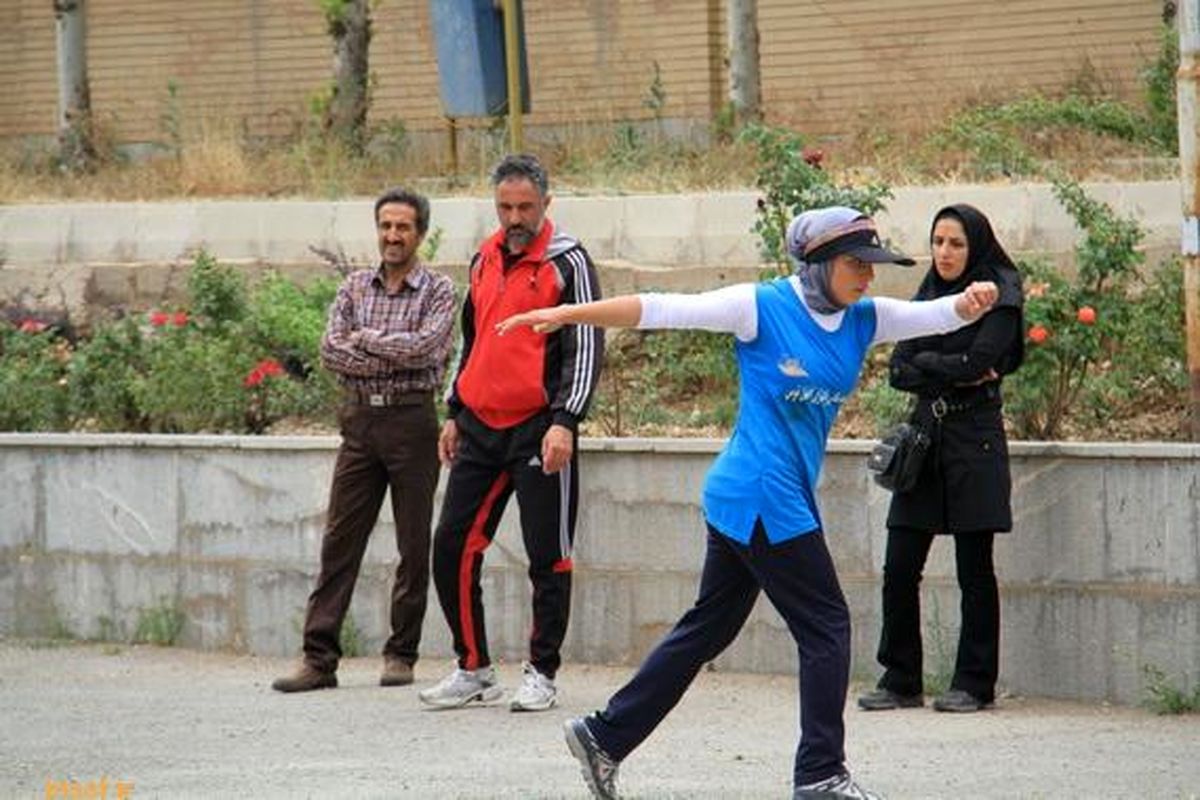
[(964, 486)]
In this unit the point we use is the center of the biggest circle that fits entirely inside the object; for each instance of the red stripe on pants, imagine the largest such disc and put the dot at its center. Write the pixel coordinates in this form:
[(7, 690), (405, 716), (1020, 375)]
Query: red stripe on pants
[(477, 542)]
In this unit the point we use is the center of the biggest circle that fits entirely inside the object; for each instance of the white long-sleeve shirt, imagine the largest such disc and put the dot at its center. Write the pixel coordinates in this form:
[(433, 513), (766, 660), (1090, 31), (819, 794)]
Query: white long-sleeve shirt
[(732, 309)]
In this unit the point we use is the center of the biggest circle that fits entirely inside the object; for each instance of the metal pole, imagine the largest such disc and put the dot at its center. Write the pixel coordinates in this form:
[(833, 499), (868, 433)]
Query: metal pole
[(453, 149), (1186, 89), (512, 65)]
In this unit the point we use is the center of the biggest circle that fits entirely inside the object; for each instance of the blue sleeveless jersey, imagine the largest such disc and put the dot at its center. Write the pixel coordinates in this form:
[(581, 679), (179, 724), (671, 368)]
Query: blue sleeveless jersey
[(794, 378)]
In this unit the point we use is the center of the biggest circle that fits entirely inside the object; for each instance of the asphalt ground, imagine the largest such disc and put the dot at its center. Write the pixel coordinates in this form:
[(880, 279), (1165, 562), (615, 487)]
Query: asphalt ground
[(161, 722)]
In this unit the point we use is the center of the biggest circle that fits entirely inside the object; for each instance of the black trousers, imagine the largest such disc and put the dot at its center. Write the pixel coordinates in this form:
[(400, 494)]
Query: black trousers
[(977, 664), (382, 448), (799, 580), (491, 465)]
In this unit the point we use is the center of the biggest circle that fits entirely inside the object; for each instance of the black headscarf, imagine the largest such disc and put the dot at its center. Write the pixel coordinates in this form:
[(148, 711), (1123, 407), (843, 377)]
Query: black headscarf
[(986, 261)]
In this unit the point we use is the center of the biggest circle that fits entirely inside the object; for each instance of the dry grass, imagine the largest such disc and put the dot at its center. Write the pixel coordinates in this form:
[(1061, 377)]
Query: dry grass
[(217, 158)]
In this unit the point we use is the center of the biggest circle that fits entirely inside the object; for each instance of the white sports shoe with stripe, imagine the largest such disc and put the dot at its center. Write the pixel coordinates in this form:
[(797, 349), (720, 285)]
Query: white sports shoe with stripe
[(461, 687), (536, 693)]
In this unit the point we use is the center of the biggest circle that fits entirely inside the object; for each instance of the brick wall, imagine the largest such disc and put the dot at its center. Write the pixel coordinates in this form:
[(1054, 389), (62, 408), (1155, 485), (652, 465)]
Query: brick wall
[(823, 63)]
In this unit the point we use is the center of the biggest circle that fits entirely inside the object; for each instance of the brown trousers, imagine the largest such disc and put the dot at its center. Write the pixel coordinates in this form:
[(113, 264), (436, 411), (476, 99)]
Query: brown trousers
[(392, 447)]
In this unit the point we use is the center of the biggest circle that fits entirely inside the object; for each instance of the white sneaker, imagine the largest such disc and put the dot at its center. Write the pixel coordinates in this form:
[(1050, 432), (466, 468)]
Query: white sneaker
[(461, 687), (536, 693)]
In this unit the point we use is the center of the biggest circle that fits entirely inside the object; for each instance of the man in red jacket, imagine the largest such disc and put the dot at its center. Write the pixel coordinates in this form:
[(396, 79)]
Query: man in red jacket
[(514, 411)]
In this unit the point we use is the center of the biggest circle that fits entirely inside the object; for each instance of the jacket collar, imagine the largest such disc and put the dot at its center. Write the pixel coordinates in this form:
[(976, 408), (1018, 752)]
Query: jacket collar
[(535, 252)]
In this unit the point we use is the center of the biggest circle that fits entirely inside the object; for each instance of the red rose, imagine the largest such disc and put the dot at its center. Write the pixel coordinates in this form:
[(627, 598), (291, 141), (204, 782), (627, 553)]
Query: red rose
[(31, 326), (1086, 315), (1038, 334), (159, 318), (270, 366), (262, 370), (180, 319)]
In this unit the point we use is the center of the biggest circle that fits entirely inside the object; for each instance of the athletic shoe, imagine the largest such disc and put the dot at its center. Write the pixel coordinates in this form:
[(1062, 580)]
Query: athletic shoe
[(536, 693), (461, 687), (598, 769), (838, 787)]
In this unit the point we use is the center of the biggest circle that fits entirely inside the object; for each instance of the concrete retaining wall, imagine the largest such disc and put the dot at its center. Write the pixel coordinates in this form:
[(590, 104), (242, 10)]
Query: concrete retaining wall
[(711, 229), (1100, 579), (85, 258)]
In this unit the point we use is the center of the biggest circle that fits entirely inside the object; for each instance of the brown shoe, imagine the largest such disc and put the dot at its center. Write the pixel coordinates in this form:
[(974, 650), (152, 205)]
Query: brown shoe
[(306, 679), (396, 672)]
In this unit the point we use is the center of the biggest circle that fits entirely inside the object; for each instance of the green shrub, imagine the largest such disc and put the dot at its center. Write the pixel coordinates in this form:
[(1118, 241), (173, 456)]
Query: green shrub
[(887, 406), (351, 640), (647, 374), (179, 371), (1037, 112), (1064, 345), (33, 380), (159, 625), (994, 152), (1002, 138), (102, 374), (288, 320), (792, 181), (194, 382), (1159, 80), (1165, 697), (217, 292), (1150, 364)]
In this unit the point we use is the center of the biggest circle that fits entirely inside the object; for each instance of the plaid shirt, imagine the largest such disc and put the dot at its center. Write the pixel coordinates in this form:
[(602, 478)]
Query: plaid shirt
[(390, 343)]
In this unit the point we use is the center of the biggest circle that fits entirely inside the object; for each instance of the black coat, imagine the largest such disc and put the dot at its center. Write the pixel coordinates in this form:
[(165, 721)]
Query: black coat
[(964, 483)]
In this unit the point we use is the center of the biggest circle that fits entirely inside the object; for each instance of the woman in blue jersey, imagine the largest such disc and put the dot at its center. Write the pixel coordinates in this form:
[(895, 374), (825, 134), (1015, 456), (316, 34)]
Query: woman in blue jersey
[(800, 344)]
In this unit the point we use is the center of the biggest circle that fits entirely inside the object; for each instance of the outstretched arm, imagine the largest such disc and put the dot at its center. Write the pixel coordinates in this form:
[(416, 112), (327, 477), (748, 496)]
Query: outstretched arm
[(909, 319), (730, 309), (615, 312)]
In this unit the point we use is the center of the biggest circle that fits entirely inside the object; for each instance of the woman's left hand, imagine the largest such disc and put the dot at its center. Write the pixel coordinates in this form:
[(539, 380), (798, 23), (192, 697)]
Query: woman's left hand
[(976, 299), (542, 320)]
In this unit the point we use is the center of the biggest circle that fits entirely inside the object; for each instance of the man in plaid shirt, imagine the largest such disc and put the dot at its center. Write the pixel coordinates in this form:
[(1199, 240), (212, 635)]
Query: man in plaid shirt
[(389, 342)]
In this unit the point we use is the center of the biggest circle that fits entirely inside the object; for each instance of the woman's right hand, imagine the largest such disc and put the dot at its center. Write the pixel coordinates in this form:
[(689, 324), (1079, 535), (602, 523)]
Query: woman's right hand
[(542, 320)]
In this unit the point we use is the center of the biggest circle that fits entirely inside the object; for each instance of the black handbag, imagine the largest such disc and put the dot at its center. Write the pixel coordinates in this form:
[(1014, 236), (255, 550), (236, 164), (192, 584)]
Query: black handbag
[(896, 461)]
